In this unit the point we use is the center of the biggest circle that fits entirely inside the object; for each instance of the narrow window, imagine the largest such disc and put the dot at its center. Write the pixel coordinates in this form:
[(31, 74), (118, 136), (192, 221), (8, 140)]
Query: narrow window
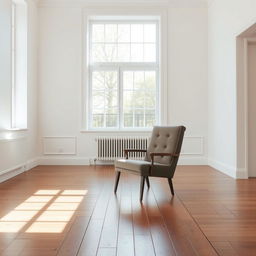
[(19, 65)]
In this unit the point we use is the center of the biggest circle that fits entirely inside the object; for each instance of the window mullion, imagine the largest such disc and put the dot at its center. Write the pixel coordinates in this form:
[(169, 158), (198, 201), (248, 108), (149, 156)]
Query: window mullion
[(120, 87), (105, 115)]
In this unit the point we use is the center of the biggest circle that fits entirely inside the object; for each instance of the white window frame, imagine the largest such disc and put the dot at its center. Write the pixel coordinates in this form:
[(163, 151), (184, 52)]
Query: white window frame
[(128, 15), (14, 27), (19, 65)]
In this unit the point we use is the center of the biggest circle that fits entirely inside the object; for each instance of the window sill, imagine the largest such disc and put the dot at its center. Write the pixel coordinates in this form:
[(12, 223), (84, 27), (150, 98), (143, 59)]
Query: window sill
[(13, 134), (15, 130), (11, 139), (116, 131)]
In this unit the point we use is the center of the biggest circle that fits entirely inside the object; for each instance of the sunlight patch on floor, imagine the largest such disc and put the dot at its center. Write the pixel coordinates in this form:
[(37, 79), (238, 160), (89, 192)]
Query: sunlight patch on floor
[(19, 216), (55, 216), (47, 192), (11, 227), (47, 227), (75, 192), (46, 211)]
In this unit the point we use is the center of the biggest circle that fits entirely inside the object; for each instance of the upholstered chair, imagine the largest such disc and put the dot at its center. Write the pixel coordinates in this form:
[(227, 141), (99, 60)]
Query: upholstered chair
[(160, 160)]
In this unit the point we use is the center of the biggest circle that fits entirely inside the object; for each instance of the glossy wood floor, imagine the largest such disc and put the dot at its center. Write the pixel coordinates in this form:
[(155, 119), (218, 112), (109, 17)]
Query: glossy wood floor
[(72, 210)]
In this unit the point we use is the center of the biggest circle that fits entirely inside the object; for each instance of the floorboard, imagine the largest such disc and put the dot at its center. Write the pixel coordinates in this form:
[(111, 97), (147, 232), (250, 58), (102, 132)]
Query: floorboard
[(72, 210)]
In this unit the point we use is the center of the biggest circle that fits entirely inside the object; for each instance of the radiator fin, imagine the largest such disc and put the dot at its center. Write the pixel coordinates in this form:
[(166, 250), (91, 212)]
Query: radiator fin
[(112, 148)]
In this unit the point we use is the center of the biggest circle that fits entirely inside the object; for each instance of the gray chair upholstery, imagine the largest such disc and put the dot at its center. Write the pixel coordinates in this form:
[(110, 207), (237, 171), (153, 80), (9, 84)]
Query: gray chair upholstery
[(161, 157)]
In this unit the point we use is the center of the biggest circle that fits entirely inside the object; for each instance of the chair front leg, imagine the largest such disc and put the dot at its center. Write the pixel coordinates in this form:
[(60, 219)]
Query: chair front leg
[(171, 186), (117, 180), (142, 182)]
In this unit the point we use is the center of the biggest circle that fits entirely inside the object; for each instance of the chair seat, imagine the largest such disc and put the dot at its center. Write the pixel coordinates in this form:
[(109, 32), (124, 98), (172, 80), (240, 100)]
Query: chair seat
[(142, 168)]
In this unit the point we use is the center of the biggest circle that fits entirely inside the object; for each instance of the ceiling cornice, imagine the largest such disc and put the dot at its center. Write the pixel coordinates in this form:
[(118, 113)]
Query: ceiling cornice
[(120, 3)]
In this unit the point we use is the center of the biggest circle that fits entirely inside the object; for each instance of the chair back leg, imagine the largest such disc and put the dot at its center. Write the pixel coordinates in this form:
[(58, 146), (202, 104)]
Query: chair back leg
[(117, 180), (142, 182), (171, 186), (147, 180)]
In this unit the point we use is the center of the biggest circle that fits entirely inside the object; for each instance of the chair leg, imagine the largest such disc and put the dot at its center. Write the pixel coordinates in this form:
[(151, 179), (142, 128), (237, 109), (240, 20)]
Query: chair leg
[(171, 186), (142, 182), (117, 180), (147, 180)]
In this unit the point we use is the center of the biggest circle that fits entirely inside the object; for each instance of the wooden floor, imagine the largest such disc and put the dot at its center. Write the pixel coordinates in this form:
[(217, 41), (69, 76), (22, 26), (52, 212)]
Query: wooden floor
[(72, 210)]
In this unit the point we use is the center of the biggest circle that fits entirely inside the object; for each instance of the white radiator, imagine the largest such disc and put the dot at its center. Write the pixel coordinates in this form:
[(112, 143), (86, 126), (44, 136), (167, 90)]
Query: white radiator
[(111, 148)]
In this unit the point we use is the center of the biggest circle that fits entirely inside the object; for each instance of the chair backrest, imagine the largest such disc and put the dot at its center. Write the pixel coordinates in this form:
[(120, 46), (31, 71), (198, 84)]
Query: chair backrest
[(166, 139)]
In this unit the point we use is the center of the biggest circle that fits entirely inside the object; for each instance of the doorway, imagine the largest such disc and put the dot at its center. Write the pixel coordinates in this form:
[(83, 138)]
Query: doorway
[(251, 101), (246, 102)]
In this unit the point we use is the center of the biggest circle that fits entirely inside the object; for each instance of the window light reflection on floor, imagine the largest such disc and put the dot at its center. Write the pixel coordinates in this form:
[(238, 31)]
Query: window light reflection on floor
[(47, 192), (46, 211), (46, 227), (74, 192)]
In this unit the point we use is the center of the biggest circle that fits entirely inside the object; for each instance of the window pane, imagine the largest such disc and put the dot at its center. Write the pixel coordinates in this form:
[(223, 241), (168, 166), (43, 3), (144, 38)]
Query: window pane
[(111, 120), (98, 53), (111, 33), (98, 80), (111, 111), (128, 80), (139, 80), (111, 99), (111, 80), (124, 52), (98, 33), (124, 33), (112, 117), (104, 99), (150, 99), (137, 52), (139, 99), (150, 119), (110, 52), (139, 118), (98, 111), (98, 121), (128, 118), (149, 33), (136, 33), (149, 52), (150, 80), (124, 42), (128, 99), (98, 99)]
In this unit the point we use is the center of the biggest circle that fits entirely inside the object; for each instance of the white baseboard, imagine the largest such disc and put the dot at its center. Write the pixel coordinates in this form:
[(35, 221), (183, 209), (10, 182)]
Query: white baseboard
[(46, 160), (241, 174), (226, 169), (32, 163), (184, 160), (64, 161), (10, 173), (18, 169)]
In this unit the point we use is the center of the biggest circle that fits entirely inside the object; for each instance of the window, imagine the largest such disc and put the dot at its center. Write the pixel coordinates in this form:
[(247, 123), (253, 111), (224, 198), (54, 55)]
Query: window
[(19, 65), (13, 63), (123, 70)]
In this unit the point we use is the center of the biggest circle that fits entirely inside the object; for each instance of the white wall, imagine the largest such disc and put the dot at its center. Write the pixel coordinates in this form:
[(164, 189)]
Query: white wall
[(23, 148), (227, 19), (60, 80), (191, 101)]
